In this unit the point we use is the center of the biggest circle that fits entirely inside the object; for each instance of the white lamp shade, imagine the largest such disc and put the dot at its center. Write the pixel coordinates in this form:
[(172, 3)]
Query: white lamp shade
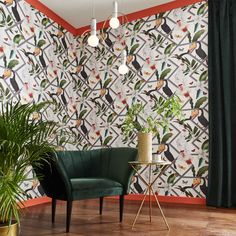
[(93, 40), (114, 23), (123, 69)]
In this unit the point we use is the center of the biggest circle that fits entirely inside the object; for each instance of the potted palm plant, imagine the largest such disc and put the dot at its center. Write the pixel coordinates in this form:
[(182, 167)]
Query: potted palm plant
[(148, 124), (23, 142)]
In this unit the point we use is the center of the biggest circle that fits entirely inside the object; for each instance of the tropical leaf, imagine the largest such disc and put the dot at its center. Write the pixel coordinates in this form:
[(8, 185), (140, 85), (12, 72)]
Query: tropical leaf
[(82, 60), (200, 162), (107, 140), (12, 64), (17, 38), (137, 25), (166, 137), (205, 145), (107, 82), (40, 43), (85, 92), (198, 35), (110, 60), (169, 48), (45, 21), (171, 178), (62, 83), (138, 85), (133, 49), (203, 76), (200, 101), (110, 118), (65, 62), (43, 83), (202, 171), (201, 9), (82, 113), (165, 73)]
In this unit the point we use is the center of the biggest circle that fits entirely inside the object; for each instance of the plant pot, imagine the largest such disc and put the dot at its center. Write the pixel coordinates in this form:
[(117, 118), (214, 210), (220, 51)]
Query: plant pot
[(6, 230), (145, 147)]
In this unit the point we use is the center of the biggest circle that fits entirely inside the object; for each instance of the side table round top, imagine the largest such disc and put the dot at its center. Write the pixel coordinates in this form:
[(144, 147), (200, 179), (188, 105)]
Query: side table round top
[(160, 163)]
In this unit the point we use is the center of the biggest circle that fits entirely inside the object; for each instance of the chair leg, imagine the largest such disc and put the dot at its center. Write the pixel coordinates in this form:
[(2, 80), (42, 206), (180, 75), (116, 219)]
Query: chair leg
[(54, 203), (101, 205), (121, 207), (68, 215)]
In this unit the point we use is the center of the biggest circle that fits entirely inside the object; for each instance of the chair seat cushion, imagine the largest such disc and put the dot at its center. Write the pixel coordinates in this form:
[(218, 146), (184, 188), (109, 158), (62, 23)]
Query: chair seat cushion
[(85, 188)]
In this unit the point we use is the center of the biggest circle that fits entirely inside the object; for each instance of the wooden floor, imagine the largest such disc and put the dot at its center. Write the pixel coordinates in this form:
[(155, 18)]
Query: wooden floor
[(184, 220)]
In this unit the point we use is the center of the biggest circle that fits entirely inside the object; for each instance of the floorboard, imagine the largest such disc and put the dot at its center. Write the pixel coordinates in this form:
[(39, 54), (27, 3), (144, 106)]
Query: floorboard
[(184, 220)]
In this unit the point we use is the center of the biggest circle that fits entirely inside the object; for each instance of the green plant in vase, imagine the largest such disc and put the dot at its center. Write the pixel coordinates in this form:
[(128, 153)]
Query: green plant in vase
[(150, 123), (23, 143)]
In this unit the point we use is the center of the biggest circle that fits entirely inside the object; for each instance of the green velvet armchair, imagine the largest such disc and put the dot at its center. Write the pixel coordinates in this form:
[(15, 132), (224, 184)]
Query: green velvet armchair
[(77, 175)]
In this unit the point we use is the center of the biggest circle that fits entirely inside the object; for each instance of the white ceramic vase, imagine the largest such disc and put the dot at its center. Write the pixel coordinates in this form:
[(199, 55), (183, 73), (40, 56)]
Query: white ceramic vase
[(145, 147)]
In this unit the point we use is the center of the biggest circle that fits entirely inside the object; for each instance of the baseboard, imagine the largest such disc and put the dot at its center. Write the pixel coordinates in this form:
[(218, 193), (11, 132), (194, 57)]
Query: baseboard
[(167, 199), (35, 201), (131, 197)]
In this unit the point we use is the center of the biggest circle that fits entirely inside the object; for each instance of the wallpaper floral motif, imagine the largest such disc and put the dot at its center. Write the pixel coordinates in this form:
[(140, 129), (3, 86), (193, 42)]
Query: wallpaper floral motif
[(167, 54)]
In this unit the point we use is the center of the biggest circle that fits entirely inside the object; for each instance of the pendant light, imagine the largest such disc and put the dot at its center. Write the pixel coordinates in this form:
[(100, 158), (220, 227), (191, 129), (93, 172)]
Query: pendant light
[(114, 21), (93, 39), (123, 68)]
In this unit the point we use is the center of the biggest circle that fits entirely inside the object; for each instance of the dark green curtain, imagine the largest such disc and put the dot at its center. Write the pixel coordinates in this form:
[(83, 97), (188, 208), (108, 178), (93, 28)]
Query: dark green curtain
[(222, 103)]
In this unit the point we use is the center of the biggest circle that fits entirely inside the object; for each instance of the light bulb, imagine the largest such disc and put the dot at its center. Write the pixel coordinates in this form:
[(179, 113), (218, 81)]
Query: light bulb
[(93, 40), (114, 22), (123, 69)]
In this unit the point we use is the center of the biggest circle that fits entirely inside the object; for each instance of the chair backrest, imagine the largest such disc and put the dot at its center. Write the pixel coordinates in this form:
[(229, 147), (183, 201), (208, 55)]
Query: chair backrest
[(105, 162), (54, 182)]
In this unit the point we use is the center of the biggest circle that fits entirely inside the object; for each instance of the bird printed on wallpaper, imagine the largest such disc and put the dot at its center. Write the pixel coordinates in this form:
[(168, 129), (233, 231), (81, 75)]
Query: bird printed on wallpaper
[(161, 83), (132, 58), (14, 9), (80, 123), (37, 53), (106, 37), (200, 52), (9, 73), (201, 182), (32, 63), (105, 92), (59, 39), (194, 45), (60, 92), (80, 67), (62, 36), (198, 112), (160, 21), (165, 149)]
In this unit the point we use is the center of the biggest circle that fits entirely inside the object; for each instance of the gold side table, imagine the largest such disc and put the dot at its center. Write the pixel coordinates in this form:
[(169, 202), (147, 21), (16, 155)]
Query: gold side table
[(149, 190)]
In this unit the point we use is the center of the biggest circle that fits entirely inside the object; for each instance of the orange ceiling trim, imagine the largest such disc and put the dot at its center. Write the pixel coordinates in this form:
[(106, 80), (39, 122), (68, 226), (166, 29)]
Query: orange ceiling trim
[(132, 16), (52, 15), (144, 13)]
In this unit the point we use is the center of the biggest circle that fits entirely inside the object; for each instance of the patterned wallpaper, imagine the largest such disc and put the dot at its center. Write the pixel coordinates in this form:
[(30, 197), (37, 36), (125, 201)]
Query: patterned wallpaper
[(167, 54)]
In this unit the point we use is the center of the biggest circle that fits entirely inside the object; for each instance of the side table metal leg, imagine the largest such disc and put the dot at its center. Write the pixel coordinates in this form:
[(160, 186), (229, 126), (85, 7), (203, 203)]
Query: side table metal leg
[(136, 217), (163, 216), (150, 192)]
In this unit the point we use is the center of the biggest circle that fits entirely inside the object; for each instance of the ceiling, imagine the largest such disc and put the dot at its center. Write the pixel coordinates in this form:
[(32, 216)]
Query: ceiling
[(75, 15), (78, 13)]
